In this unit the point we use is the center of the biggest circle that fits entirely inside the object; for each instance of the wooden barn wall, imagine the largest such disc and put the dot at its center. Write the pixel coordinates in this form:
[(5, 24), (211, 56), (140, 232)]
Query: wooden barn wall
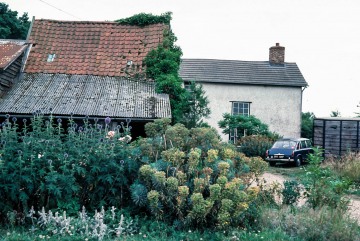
[(337, 137), (8, 76)]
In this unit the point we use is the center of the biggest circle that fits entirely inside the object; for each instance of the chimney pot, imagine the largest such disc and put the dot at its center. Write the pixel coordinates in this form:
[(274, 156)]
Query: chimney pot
[(277, 54)]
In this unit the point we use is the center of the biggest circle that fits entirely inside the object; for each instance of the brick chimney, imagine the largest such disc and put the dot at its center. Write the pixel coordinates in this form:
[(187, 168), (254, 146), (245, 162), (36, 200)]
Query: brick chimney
[(277, 54)]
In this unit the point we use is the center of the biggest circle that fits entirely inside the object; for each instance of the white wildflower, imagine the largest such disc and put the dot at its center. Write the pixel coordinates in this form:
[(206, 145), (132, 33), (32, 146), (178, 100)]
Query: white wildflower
[(126, 139), (110, 134)]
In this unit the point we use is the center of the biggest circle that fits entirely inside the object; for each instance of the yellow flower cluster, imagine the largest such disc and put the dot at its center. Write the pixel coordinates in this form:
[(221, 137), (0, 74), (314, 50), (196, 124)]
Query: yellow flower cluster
[(172, 184), (194, 157), (228, 153), (174, 156), (212, 155), (223, 167), (199, 184)]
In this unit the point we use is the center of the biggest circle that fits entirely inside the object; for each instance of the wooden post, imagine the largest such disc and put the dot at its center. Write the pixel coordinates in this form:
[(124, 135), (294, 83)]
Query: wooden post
[(340, 137), (357, 136)]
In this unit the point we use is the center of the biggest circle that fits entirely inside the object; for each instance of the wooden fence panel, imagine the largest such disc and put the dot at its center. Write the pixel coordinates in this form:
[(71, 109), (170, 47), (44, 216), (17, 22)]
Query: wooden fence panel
[(337, 135)]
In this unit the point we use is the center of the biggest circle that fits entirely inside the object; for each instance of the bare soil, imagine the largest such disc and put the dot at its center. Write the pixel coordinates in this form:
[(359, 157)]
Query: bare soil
[(354, 205)]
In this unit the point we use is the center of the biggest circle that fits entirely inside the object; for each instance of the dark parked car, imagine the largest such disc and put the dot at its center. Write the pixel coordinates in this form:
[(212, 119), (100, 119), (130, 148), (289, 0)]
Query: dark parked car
[(289, 150)]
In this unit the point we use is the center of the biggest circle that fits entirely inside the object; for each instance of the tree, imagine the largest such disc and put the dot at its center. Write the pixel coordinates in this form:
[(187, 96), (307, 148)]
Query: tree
[(197, 106), (358, 113), (335, 113), (162, 65), (307, 122), (12, 26), (244, 125)]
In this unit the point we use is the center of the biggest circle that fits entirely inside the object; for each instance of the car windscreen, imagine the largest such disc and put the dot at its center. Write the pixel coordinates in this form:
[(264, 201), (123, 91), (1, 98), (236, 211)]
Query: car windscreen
[(285, 144)]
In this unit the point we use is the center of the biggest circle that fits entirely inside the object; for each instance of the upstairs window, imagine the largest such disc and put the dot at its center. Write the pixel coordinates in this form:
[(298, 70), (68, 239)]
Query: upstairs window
[(240, 108)]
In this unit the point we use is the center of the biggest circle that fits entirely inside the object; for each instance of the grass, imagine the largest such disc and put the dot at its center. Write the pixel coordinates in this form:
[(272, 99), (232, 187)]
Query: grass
[(231, 235), (286, 170), (311, 224)]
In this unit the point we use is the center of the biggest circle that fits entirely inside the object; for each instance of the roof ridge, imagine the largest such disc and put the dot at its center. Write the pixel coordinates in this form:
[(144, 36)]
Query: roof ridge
[(91, 22), (234, 60)]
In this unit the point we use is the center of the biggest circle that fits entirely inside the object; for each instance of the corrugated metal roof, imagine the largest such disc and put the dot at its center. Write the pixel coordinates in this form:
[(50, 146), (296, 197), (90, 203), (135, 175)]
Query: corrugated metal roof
[(241, 72), (86, 95), (10, 50), (91, 47)]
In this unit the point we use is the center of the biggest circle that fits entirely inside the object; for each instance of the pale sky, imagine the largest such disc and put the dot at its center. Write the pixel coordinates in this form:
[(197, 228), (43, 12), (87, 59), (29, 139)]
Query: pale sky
[(321, 36)]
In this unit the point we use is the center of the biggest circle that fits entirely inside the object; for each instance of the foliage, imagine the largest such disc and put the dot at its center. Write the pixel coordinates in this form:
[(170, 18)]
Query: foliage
[(358, 113), (291, 192), (144, 19), (347, 167), (323, 187), (335, 113), (197, 106), (193, 180), (42, 165), (244, 125), (311, 224), (12, 26), (162, 65), (307, 122), (155, 231), (255, 145), (98, 226), (186, 178)]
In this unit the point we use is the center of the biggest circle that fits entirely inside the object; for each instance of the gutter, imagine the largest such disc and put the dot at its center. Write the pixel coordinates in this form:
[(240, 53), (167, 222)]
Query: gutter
[(301, 104)]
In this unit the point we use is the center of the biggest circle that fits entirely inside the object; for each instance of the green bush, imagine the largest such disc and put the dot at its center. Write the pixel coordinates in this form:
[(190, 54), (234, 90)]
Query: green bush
[(187, 178), (192, 179), (42, 164), (291, 192), (255, 145), (323, 187)]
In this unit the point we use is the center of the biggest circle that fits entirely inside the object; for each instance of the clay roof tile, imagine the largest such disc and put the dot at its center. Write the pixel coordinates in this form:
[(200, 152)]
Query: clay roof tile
[(90, 45)]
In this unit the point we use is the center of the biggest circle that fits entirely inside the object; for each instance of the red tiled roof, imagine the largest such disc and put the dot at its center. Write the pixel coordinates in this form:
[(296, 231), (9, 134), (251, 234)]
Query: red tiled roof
[(9, 52), (92, 48)]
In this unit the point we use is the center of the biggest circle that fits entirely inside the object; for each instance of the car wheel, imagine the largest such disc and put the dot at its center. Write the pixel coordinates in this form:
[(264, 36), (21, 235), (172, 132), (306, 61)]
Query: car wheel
[(297, 161), (272, 164)]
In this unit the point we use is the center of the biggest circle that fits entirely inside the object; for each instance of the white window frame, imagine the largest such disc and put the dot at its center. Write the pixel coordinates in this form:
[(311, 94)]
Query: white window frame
[(242, 107)]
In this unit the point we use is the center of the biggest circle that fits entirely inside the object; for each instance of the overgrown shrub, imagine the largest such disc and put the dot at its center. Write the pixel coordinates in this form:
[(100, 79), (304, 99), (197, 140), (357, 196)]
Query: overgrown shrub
[(291, 192), (323, 186), (191, 179), (186, 178), (255, 145), (42, 164)]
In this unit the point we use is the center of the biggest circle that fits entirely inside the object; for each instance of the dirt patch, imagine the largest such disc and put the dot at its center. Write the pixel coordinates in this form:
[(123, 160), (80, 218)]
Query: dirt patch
[(271, 179), (354, 207)]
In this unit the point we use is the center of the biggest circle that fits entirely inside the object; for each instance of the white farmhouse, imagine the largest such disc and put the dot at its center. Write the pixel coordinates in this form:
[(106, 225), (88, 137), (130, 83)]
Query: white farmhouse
[(270, 90)]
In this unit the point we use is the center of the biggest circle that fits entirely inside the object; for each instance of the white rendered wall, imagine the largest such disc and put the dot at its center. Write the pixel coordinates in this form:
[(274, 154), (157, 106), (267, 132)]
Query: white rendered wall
[(278, 107)]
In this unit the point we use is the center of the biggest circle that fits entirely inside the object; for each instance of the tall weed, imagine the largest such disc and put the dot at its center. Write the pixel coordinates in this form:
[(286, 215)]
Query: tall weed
[(347, 166), (323, 187), (323, 223)]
